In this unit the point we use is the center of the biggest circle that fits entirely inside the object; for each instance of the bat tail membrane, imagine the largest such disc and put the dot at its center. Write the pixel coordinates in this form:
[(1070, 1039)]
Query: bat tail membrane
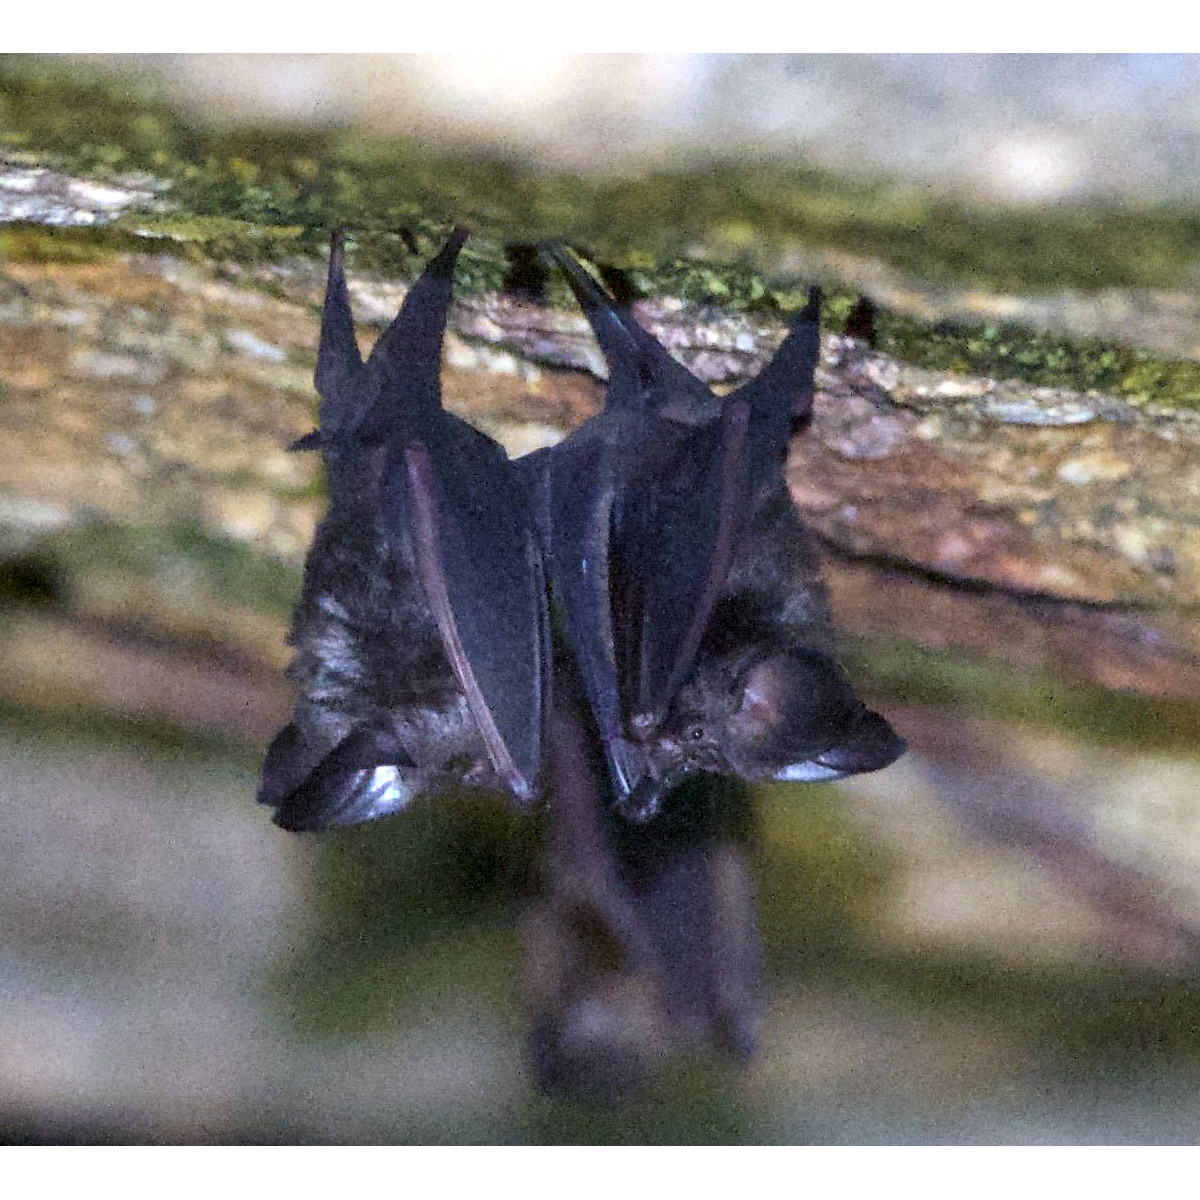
[(407, 358)]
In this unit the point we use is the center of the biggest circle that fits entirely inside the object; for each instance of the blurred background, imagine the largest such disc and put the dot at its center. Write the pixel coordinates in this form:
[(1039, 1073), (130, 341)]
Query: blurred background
[(995, 940)]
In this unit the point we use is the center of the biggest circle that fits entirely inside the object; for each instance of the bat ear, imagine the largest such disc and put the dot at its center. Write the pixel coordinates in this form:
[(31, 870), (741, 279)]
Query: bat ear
[(408, 353), (359, 780), (791, 705), (620, 342), (339, 364), (791, 368), (870, 745)]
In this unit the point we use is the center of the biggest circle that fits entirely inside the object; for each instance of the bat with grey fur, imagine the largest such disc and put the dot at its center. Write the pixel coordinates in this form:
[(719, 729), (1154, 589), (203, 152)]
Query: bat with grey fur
[(421, 635)]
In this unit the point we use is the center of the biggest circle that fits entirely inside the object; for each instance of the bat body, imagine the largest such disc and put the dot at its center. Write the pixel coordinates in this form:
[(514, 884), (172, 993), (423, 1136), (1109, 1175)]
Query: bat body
[(421, 633), (692, 603), (686, 589)]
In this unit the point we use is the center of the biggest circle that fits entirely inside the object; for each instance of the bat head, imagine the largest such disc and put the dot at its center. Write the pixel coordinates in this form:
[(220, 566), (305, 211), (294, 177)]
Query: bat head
[(787, 714), (794, 716)]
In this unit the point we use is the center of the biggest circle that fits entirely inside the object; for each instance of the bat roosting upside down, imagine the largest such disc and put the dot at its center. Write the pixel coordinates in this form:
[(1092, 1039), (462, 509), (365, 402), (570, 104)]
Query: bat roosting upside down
[(696, 638)]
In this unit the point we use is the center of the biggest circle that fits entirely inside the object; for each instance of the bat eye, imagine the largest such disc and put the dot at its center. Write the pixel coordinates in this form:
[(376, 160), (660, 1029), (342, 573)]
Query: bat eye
[(695, 733)]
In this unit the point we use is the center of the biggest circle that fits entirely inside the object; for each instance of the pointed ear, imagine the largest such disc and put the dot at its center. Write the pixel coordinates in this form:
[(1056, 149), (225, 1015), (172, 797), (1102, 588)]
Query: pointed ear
[(408, 353), (619, 342), (870, 745), (794, 704), (339, 364), (359, 780)]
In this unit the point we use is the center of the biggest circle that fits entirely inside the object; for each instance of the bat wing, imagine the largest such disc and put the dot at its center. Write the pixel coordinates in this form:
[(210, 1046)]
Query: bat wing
[(701, 506), (468, 516), (468, 513), (672, 547), (677, 502), (634, 601)]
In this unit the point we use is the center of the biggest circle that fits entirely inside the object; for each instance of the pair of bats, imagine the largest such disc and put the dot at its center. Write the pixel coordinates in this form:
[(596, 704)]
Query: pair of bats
[(660, 536), (600, 622)]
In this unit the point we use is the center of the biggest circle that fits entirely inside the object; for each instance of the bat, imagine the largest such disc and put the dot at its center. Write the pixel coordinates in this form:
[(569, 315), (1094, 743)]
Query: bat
[(421, 635), (702, 642), (687, 586)]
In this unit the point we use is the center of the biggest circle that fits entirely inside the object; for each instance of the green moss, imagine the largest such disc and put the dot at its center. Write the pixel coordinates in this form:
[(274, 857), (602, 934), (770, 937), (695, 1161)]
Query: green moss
[(1009, 351), (21, 242), (219, 236), (99, 124), (264, 194)]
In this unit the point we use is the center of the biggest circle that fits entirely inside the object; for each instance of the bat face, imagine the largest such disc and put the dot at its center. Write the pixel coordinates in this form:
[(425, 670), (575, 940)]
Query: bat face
[(790, 715), (693, 606), (421, 634)]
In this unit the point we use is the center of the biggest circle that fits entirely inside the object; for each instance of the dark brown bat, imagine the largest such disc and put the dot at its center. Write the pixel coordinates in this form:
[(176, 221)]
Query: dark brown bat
[(421, 636), (688, 589)]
